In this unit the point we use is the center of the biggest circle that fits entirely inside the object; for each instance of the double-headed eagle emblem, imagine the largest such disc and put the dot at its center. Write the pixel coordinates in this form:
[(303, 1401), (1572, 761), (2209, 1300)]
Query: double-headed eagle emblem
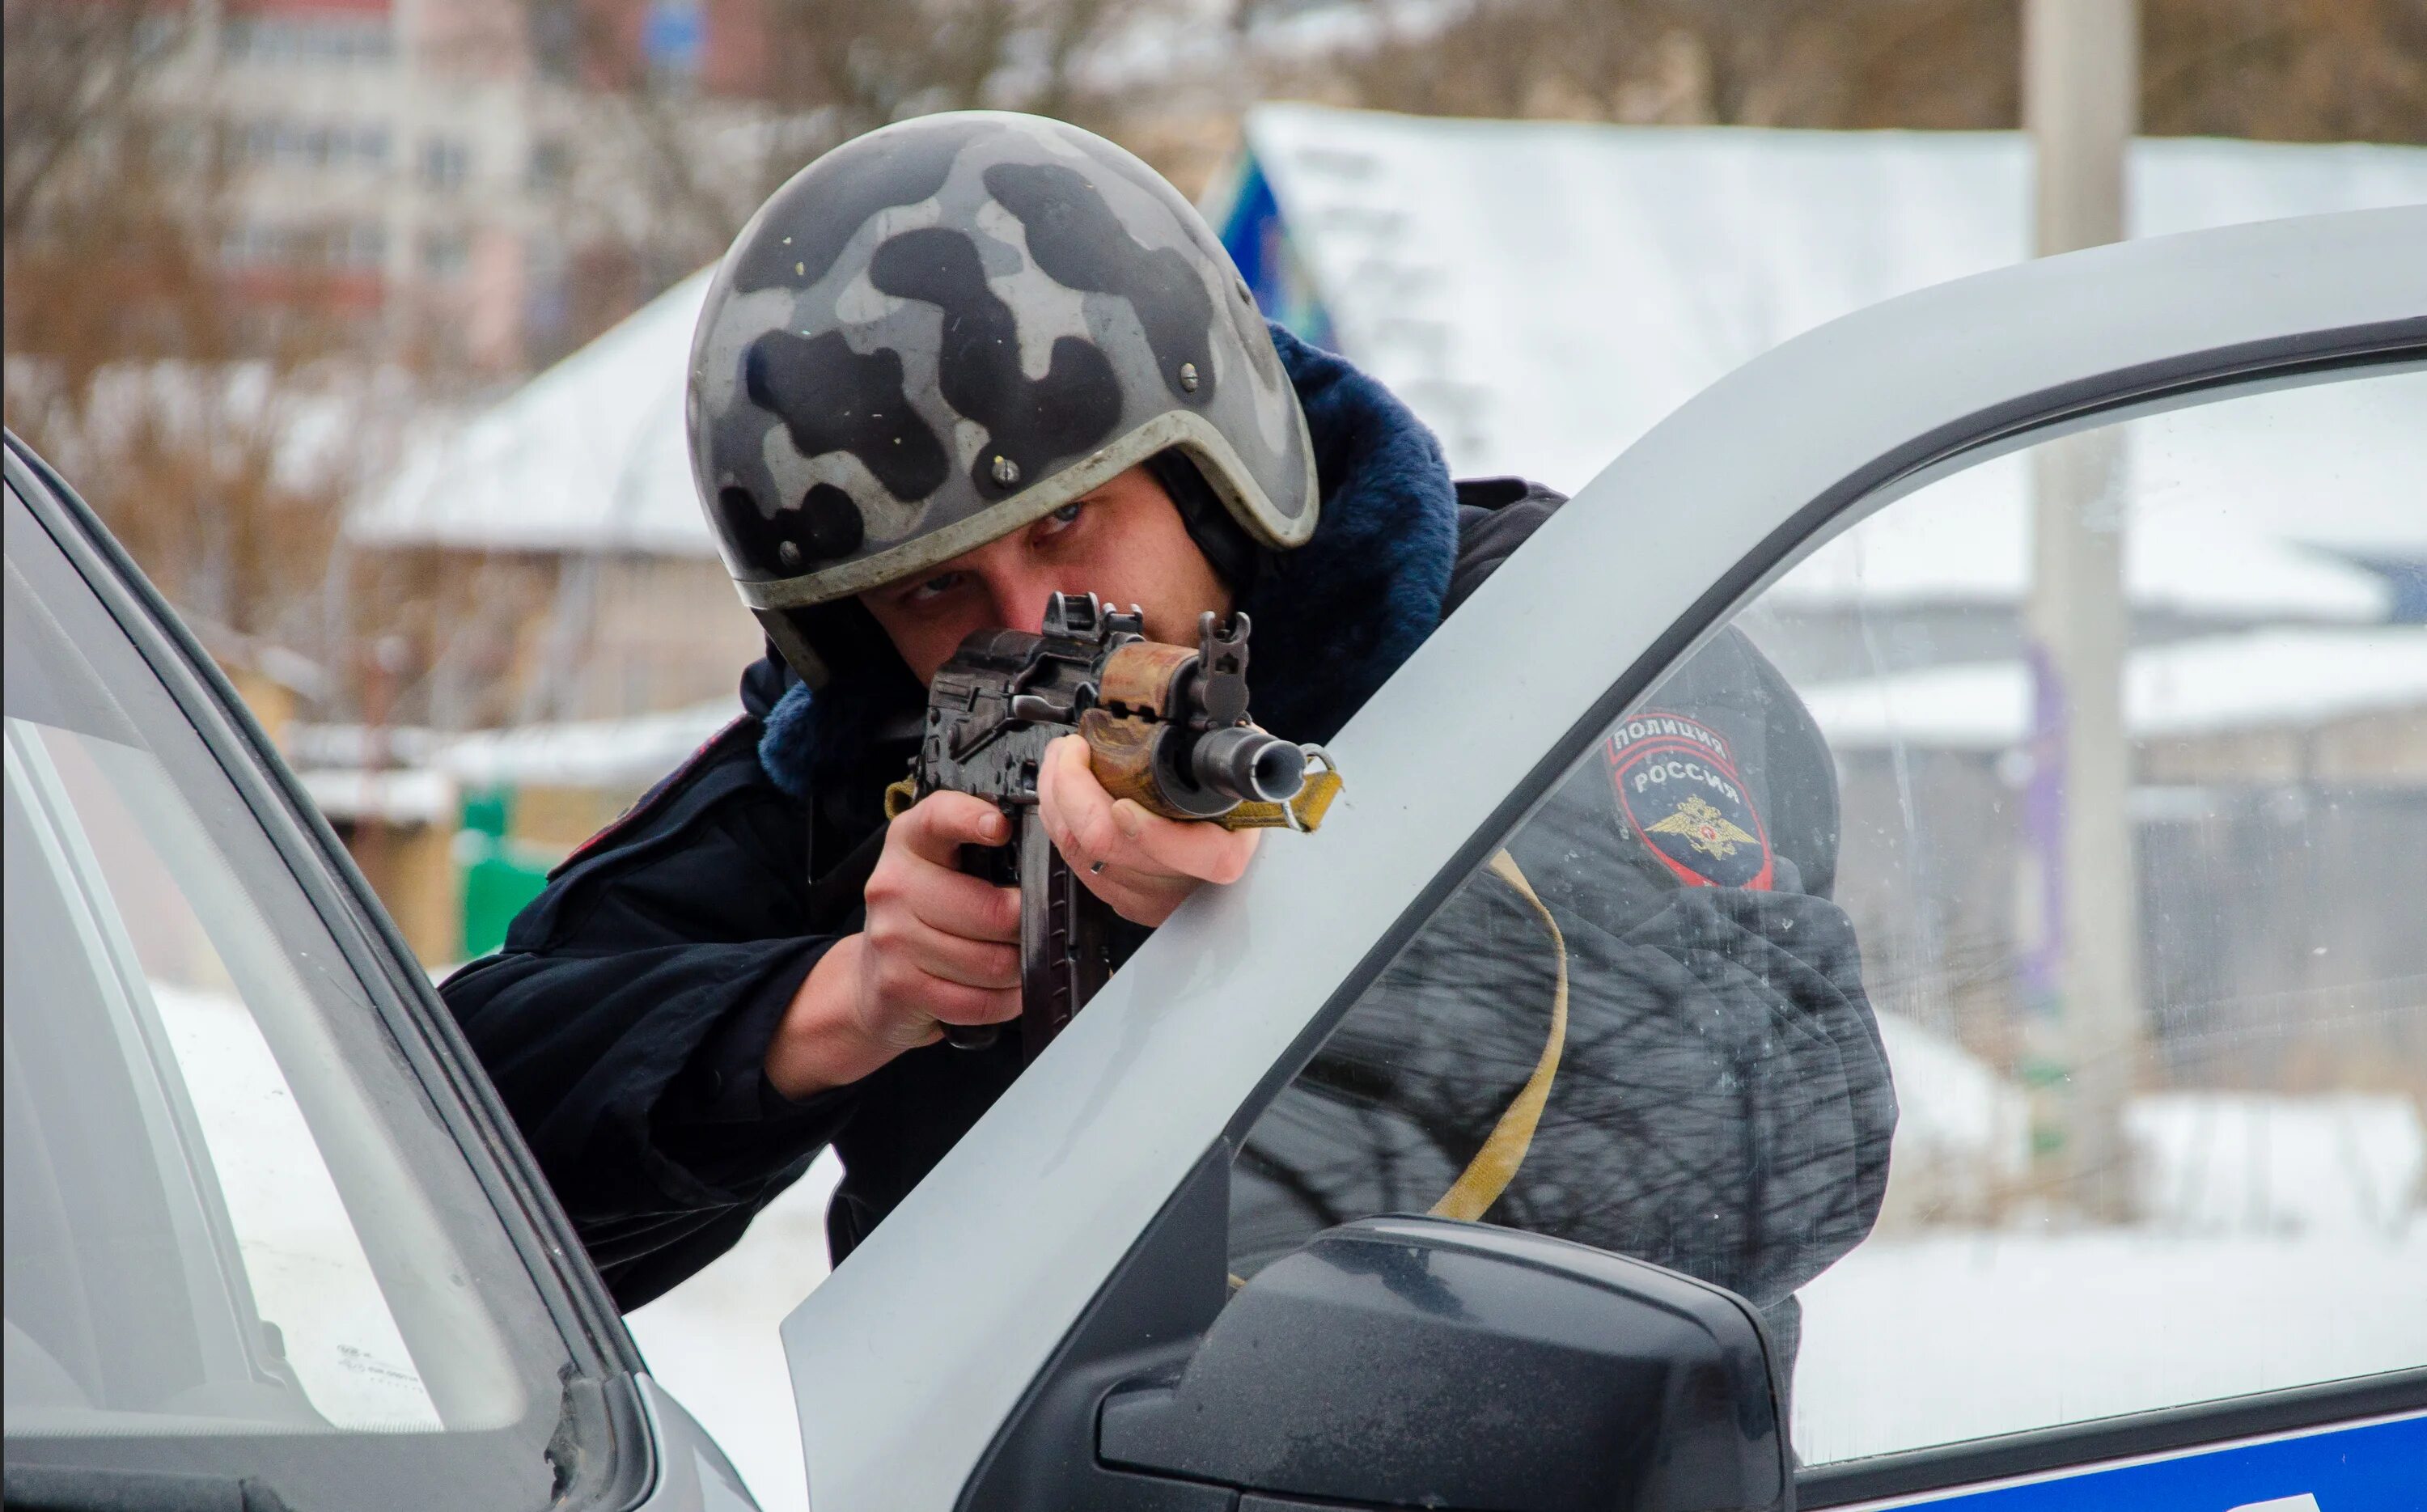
[(1704, 828)]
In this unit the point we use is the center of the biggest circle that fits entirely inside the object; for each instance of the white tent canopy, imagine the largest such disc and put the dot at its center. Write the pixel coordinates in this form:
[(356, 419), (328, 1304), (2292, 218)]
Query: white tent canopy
[(1541, 292)]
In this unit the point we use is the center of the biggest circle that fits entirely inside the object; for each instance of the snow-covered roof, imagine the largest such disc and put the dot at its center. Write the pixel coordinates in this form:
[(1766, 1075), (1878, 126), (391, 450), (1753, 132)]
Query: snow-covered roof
[(2288, 677), (590, 455), (631, 752), (1541, 292), (609, 754), (403, 795), (2235, 509)]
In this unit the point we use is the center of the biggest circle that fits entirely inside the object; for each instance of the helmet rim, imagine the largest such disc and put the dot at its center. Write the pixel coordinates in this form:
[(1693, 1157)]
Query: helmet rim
[(1182, 429)]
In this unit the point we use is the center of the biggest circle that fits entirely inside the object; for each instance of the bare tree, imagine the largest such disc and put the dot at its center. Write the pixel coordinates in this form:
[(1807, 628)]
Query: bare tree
[(131, 360), (679, 158), (2288, 70), (73, 73)]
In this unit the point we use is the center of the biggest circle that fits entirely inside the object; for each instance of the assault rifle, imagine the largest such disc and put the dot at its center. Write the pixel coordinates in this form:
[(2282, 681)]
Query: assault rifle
[(1166, 725)]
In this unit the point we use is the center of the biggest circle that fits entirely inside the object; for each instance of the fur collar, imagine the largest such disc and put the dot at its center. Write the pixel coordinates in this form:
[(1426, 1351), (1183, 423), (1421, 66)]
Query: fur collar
[(1333, 619)]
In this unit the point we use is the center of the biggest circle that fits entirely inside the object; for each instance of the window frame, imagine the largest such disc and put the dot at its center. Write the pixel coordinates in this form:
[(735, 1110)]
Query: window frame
[(602, 1396)]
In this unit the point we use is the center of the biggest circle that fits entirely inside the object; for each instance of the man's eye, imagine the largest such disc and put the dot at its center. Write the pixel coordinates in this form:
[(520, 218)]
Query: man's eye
[(1066, 515), (934, 587)]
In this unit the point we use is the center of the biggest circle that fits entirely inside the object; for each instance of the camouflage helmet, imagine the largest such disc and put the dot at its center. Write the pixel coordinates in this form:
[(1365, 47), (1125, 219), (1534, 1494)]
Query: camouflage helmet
[(946, 328)]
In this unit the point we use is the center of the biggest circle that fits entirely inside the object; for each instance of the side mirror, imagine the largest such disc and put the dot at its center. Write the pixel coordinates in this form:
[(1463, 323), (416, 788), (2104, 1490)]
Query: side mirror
[(1436, 1364)]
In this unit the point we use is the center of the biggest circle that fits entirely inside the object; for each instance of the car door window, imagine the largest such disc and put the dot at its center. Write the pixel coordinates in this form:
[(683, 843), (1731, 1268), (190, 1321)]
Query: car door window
[(241, 1241), (2023, 1070)]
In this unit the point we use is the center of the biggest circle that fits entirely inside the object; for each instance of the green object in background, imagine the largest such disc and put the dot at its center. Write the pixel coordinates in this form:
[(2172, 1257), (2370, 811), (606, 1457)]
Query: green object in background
[(501, 876)]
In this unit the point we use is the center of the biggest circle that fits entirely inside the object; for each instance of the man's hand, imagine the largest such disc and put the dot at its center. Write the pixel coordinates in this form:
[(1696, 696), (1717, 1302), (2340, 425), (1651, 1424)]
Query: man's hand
[(1150, 864), (939, 947)]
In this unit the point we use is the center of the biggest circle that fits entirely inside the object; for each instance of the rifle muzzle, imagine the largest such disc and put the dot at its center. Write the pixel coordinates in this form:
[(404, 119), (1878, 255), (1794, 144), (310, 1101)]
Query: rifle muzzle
[(1250, 765)]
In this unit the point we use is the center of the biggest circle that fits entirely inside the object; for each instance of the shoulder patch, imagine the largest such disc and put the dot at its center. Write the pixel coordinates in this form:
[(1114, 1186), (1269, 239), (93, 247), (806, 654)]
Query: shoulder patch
[(1679, 793), (648, 803)]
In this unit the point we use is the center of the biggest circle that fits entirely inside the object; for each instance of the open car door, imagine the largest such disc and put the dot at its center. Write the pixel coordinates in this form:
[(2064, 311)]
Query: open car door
[(1628, 1101)]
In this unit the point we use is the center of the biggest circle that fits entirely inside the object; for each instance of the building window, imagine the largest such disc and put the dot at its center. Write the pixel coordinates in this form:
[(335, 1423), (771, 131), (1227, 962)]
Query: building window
[(445, 162), (244, 245), (339, 145), (551, 165), (444, 254), (358, 246), (273, 41)]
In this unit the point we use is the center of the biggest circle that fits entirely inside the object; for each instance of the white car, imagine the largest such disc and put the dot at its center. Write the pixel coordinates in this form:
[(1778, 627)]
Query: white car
[(272, 1242)]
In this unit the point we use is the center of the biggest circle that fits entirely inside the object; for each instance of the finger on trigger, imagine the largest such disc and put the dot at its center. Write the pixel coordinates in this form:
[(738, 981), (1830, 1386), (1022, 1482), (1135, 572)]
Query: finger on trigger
[(1079, 809), (942, 821), (1053, 792)]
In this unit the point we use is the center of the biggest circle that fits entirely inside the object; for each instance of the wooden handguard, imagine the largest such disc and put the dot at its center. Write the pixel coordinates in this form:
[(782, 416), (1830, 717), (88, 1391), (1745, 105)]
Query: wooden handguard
[(1143, 676), (1120, 752)]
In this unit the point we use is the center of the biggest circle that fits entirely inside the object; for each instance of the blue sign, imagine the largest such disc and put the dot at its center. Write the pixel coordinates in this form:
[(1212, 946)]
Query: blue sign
[(2379, 1468)]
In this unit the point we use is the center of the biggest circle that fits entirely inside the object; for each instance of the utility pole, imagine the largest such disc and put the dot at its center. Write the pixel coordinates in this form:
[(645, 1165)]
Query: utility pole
[(2080, 86)]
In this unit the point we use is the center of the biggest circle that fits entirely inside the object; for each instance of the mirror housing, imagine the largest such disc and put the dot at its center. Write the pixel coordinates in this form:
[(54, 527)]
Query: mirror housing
[(1432, 1362)]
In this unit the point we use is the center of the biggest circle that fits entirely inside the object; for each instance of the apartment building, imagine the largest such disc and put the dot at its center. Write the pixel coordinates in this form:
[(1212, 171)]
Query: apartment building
[(406, 162)]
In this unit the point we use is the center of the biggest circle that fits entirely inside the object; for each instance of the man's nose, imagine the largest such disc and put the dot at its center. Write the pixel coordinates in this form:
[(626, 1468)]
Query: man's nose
[(1019, 601)]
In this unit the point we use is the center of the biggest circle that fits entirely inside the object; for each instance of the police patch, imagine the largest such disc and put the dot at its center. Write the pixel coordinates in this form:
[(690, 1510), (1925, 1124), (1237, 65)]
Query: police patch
[(1679, 793)]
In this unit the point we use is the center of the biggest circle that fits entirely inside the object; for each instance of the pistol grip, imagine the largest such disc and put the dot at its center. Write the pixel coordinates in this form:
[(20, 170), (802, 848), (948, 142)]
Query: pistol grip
[(999, 865)]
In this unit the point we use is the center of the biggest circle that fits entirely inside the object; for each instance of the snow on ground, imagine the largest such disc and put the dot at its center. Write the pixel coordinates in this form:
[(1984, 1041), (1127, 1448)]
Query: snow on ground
[(711, 1340), (2269, 678), (1963, 1130), (2219, 1162), (1957, 1335)]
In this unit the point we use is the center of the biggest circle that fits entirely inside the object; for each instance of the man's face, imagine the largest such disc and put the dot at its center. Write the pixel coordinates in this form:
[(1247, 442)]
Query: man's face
[(1124, 543)]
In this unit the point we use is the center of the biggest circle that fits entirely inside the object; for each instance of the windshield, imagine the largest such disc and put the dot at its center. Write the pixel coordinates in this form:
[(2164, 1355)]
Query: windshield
[(240, 1239)]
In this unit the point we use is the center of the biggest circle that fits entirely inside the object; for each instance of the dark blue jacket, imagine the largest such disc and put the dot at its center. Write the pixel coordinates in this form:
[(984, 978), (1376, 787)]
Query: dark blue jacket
[(626, 1018)]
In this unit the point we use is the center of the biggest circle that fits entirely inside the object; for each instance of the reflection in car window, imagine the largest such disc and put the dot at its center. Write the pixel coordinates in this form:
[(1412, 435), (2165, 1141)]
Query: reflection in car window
[(1775, 988), (232, 1219)]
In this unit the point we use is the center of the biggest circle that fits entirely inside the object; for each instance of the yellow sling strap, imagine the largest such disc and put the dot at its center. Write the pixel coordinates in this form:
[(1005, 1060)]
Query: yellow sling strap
[(1495, 1165)]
